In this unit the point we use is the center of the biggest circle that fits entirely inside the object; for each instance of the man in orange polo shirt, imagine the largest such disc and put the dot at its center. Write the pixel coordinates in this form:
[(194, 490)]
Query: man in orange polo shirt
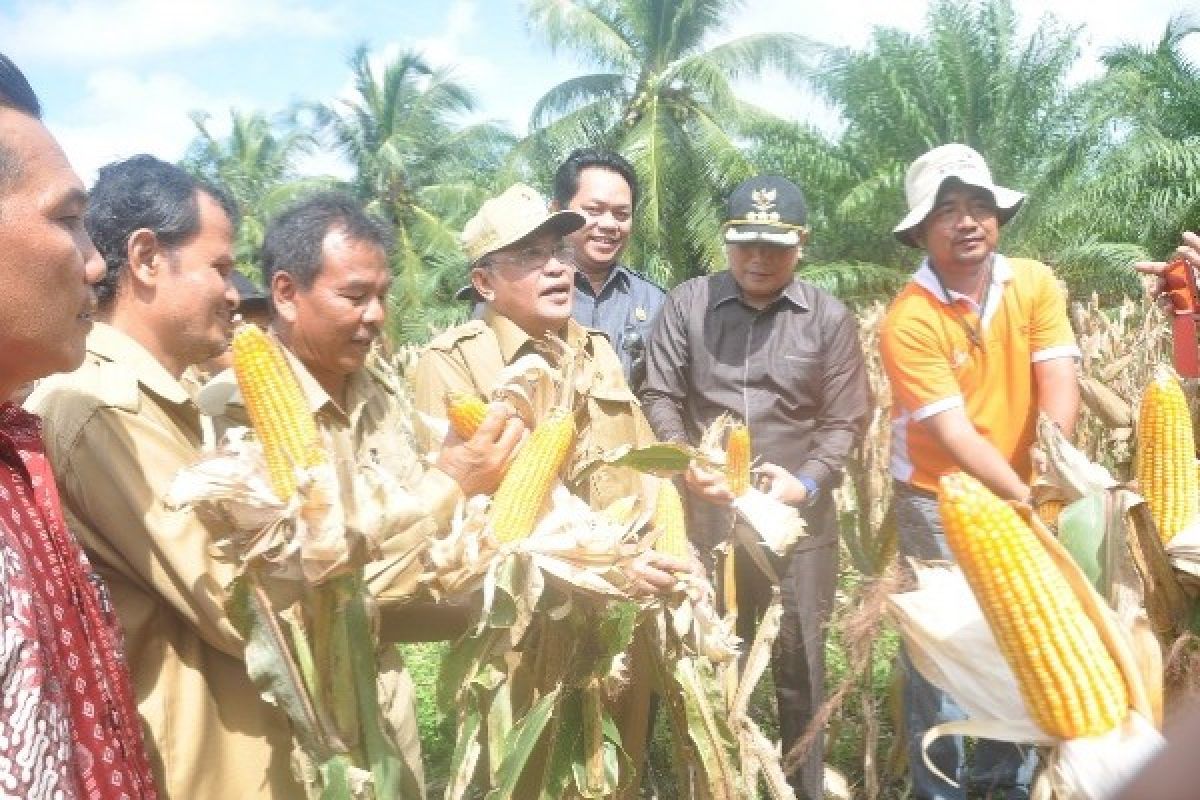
[(974, 346)]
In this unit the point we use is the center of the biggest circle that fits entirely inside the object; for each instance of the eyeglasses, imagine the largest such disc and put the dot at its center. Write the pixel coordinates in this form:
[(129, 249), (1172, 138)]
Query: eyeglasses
[(535, 257)]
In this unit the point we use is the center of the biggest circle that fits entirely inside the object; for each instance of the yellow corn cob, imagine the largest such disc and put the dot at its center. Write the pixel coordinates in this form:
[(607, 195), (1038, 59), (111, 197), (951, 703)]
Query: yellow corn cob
[(1071, 684), (277, 408), (465, 413), (737, 460), (519, 500), (1166, 455), (669, 521), (1048, 511)]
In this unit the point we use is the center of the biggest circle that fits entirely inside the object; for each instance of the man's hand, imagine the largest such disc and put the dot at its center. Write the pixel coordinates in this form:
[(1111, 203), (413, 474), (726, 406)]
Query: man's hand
[(478, 464), (1189, 251), (784, 487), (653, 572), (708, 484)]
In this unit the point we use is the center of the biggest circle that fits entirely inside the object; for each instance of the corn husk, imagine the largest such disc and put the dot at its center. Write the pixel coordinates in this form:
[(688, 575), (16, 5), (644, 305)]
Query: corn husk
[(301, 540), (951, 645)]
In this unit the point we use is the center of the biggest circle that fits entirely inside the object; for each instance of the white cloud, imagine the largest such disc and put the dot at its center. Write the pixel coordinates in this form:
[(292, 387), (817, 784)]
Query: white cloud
[(448, 49), (108, 31), (126, 113)]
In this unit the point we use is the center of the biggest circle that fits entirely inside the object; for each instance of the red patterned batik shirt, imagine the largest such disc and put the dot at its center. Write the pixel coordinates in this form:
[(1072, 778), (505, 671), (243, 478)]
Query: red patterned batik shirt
[(68, 724)]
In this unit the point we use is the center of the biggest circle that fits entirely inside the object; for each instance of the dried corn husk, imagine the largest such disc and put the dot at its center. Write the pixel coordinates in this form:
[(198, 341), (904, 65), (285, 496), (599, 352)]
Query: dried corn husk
[(303, 539)]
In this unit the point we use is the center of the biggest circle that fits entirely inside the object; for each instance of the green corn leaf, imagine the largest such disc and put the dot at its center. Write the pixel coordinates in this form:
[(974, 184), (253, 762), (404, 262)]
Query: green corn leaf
[(520, 744)]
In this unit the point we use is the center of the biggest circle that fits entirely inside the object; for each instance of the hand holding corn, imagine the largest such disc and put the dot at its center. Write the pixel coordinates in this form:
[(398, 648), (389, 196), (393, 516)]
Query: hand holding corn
[(708, 484), (654, 572), (478, 464), (784, 486)]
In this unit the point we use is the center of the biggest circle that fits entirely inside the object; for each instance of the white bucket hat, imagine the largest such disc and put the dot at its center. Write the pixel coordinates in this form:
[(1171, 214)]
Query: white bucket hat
[(929, 173)]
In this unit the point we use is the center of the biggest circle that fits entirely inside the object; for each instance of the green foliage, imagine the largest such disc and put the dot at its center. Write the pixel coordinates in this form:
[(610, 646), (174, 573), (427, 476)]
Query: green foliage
[(256, 164), (665, 99), (419, 167)]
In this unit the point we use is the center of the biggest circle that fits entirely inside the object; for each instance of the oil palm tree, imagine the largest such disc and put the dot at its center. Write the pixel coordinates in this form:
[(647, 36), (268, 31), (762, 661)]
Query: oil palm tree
[(663, 96), (421, 166), (1142, 189), (968, 77)]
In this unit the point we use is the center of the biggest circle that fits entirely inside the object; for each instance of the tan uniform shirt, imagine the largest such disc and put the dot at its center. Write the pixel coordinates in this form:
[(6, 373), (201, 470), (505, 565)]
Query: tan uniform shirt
[(469, 357), (117, 431)]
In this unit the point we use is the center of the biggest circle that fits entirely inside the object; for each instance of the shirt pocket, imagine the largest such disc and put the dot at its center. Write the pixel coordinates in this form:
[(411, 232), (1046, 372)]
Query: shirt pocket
[(799, 378), (611, 423)]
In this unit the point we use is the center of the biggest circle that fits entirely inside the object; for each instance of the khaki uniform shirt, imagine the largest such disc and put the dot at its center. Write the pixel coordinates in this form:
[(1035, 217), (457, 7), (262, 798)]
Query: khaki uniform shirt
[(118, 429), (469, 357)]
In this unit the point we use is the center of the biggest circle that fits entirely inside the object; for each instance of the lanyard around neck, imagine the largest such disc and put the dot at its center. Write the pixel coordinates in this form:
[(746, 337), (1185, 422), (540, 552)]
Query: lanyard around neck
[(974, 333)]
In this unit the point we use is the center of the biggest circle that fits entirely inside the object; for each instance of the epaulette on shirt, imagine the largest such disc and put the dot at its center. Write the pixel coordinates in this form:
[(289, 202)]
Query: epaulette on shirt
[(647, 279), (446, 340), (72, 400)]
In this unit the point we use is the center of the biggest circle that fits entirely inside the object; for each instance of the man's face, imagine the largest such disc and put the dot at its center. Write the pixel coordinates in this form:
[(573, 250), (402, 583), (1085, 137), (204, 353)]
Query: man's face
[(47, 261), (197, 296), (961, 232), (332, 324), (762, 271), (606, 201), (529, 284)]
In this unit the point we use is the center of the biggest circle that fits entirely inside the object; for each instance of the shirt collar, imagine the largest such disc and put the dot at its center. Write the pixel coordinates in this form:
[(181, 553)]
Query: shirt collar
[(924, 277), (319, 399), (725, 288), (119, 347), (223, 389), (618, 273), (512, 339)]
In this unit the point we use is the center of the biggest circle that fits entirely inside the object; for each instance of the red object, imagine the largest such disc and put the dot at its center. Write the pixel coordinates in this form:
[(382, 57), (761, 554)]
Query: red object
[(69, 725), (1185, 306)]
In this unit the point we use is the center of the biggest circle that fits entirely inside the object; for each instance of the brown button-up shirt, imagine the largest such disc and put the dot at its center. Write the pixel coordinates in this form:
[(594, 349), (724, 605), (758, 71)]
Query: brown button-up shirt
[(793, 371), (118, 430)]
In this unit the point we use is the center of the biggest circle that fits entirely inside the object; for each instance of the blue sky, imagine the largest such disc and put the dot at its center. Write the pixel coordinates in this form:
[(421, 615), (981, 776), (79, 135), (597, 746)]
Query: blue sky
[(119, 77)]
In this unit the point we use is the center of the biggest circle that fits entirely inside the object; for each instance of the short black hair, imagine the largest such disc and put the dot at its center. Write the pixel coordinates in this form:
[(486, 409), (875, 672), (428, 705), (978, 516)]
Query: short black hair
[(17, 94), (566, 178), (144, 192), (293, 239)]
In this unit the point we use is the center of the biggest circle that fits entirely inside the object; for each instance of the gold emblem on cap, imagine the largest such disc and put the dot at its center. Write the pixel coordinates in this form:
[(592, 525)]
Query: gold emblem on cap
[(763, 201), (639, 314)]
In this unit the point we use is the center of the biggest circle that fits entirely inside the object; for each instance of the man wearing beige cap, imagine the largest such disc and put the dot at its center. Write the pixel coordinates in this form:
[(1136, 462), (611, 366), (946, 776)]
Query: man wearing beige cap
[(974, 347), (525, 273)]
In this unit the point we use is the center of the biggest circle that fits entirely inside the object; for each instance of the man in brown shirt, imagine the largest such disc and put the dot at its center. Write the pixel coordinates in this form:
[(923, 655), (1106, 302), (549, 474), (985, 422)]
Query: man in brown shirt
[(122, 426), (784, 356)]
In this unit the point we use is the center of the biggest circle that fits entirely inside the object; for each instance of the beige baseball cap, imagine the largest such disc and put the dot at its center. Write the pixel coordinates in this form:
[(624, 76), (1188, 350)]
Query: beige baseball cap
[(930, 172), (509, 218)]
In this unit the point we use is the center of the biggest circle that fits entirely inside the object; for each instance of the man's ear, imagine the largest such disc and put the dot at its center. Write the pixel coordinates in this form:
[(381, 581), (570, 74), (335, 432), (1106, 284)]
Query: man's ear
[(481, 279), (283, 290), (146, 257)]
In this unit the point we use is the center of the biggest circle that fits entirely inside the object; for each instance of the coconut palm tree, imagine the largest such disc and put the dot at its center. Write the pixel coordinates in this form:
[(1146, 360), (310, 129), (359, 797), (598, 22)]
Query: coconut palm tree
[(419, 164), (665, 98), (257, 163)]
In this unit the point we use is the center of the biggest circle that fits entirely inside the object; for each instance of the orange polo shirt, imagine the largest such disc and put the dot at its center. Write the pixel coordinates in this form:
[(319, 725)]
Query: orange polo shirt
[(933, 366)]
